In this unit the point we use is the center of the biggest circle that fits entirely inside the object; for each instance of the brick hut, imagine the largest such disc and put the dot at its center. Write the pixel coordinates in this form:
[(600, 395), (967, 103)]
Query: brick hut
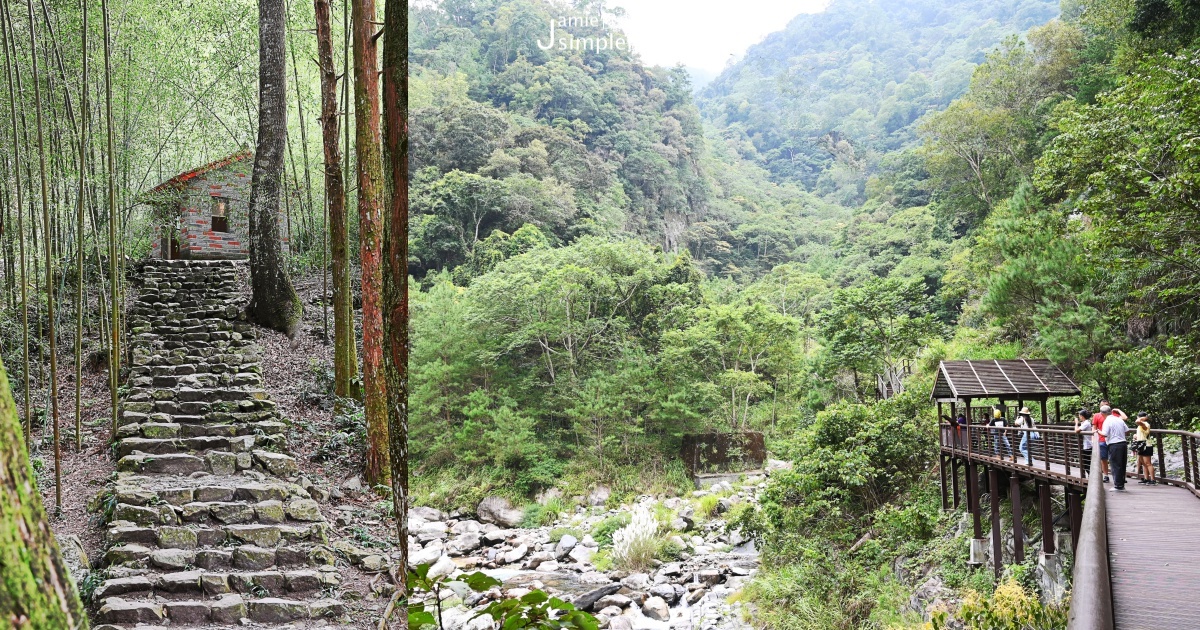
[(202, 214)]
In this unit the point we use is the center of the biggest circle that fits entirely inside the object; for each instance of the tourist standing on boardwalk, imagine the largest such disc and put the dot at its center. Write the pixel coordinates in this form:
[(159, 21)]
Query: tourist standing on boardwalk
[(1025, 420), (999, 437), (1145, 451), (1083, 424), (1118, 451), (1098, 425)]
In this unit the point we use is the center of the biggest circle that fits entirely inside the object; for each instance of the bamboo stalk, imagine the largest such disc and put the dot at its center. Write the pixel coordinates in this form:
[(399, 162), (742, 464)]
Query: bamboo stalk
[(80, 301), (9, 63), (52, 390), (114, 359)]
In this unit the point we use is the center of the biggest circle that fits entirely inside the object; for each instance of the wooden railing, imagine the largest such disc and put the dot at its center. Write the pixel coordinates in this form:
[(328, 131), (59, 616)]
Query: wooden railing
[(1091, 576), (1185, 443), (1054, 444)]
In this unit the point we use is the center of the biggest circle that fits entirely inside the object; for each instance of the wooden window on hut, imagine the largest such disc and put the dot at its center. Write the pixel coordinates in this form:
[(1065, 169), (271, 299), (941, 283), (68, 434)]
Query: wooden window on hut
[(220, 214)]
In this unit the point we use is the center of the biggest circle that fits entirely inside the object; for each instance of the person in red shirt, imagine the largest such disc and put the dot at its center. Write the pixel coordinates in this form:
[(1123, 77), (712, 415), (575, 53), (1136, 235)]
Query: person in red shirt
[(1097, 422)]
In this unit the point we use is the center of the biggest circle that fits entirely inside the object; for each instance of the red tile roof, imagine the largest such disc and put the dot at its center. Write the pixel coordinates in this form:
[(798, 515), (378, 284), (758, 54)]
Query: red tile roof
[(183, 178)]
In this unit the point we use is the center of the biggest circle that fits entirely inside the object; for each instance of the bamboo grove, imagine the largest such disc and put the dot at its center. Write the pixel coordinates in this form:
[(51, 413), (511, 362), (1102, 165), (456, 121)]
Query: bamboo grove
[(107, 99)]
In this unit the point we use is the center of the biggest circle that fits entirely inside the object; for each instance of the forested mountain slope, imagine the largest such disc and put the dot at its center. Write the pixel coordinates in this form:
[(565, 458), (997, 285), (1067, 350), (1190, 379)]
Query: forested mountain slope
[(820, 101), (573, 142)]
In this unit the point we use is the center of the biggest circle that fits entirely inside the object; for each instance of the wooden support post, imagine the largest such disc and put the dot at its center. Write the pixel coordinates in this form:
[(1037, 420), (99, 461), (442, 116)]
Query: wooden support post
[(1075, 515), (1057, 412), (954, 471), (943, 460), (1046, 508), (975, 476), (997, 534), (1187, 465), (1161, 468), (1014, 495), (968, 404), (957, 429)]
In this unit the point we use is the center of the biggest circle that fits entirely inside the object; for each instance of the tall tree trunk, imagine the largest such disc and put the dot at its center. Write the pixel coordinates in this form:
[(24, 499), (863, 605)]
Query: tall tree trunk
[(309, 195), (344, 362), (48, 240), (273, 302), (80, 301), (370, 229), (395, 270), (35, 589), (114, 330), (353, 387)]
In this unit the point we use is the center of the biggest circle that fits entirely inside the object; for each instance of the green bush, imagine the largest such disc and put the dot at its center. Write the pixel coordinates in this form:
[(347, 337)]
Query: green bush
[(603, 531), (557, 533), (706, 505), (544, 514)]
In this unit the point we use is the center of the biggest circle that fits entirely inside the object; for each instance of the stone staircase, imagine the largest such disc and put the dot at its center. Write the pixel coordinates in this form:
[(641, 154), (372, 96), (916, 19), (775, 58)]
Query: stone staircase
[(208, 524)]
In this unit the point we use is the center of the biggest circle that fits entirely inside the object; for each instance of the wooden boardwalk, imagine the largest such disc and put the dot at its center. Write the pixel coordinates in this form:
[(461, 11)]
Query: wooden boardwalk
[(1153, 532), (1154, 548)]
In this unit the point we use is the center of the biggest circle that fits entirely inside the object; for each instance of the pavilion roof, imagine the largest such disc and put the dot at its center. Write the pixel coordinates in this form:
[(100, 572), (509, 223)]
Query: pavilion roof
[(1030, 379)]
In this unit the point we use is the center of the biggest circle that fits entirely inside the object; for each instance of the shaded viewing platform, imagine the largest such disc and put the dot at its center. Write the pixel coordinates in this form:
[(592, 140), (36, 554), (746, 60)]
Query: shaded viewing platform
[(1132, 550)]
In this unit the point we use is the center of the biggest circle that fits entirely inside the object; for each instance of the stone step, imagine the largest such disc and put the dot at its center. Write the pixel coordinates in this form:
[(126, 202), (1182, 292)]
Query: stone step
[(201, 583), (191, 445), (203, 381), (217, 547), (163, 430), (215, 462), (139, 490), (228, 609), (271, 511)]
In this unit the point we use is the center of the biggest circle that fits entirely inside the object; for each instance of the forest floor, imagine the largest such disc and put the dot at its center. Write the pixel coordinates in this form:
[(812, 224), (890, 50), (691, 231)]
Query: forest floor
[(295, 376)]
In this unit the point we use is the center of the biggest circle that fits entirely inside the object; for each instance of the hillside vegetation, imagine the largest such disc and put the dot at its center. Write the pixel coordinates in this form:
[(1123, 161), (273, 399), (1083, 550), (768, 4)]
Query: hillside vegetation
[(880, 185)]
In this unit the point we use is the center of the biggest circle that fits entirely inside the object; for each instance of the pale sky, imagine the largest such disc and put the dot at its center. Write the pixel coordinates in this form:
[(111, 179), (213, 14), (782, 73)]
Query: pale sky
[(705, 34)]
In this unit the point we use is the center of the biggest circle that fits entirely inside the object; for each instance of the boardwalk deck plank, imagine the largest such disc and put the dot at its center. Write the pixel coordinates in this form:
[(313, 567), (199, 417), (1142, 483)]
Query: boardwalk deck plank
[(1153, 540)]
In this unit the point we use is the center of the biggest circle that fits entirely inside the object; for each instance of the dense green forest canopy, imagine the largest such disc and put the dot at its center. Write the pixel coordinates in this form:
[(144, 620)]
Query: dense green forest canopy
[(824, 100)]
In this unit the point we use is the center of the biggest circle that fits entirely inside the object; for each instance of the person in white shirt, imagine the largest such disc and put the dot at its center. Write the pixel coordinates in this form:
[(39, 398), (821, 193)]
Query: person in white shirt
[(1114, 431), (1083, 424)]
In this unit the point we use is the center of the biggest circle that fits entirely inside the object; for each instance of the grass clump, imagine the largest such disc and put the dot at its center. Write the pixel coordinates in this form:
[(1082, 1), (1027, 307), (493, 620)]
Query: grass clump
[(635, 546), (544, 514), (706, 506), (603, 532), (557, 534)]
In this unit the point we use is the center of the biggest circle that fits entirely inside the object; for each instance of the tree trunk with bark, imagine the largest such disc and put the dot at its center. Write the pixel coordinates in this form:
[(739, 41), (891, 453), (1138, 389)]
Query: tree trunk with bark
[(273, 302), (344, 361), (370, 228), (35, 589), (395, 270)]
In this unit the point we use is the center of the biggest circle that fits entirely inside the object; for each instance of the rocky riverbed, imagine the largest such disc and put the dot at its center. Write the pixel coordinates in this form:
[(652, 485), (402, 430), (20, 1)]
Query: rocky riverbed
[(688, 586)]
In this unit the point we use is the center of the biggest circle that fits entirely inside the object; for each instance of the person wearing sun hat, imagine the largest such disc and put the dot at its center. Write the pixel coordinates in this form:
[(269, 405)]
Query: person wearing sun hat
[(1025, 419), (1114, 430)]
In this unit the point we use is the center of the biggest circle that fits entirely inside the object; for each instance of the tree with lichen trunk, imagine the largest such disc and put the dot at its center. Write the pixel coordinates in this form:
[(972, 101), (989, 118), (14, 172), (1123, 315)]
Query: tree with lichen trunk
[(273, 301), (370, 229), (344, 360), (395, 269), (36, 592)]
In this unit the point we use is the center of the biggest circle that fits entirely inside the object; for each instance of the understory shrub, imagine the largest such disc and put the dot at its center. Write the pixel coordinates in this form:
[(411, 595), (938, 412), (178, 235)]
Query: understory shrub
[(603, 531)]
